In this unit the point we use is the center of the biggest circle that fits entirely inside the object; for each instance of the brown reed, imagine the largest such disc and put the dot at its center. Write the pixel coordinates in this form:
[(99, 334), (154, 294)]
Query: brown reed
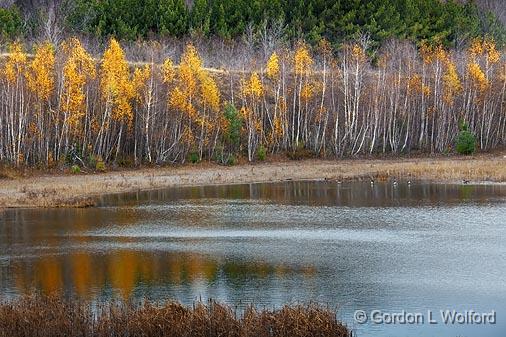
[(42, 316)]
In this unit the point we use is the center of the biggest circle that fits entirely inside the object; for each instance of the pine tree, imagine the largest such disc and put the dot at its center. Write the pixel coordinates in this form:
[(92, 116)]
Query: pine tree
[(200, 18), (174, 17)]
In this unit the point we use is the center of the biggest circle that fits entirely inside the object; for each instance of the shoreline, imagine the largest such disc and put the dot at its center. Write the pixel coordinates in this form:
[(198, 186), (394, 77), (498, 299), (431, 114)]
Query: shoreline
[(66, 190)]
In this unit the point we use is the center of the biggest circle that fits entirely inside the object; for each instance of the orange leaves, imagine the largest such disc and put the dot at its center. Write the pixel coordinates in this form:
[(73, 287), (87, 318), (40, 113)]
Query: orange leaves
[(187, 136), (438, 56), (272, 69), (431, 54), (168, 71), (190, 78), (189, 70), (177, 99), (139, 81), (253, 87), (16, 62), (416, 85), (181, 96), (78, 69), (307, 92), (277, 130), (492, 53), (477, 75), (358, 53), (246, 113), (451, 80), (116, 87), (195, 95), (210, 94), (476, 48), (486, 51), (40, 74), (302, 60), (485, 47), (191, 59)]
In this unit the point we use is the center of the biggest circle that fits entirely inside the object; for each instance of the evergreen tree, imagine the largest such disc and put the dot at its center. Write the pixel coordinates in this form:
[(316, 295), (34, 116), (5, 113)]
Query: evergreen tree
[(10, 22), (173, 17), (451, 23), (200, 17)]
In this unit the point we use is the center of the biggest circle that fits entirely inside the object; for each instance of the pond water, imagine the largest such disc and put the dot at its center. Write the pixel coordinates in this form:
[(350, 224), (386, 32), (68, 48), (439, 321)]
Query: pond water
[(415, 247)]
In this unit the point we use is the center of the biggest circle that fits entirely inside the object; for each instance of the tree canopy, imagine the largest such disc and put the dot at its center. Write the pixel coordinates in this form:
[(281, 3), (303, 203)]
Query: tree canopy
[(449, 23)]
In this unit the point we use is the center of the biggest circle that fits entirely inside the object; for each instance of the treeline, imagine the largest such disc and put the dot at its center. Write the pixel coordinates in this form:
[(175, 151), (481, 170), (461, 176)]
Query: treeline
[(61, 105), (450, 23)]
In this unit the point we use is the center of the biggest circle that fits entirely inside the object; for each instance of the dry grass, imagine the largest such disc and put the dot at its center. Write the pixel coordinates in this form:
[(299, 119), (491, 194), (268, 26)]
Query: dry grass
[(81, 190), (55, 317), (475, 169), (8, 172)]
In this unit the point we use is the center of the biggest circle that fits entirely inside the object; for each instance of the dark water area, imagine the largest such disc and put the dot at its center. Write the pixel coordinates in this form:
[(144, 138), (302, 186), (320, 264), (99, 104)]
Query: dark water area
[(416, 248)]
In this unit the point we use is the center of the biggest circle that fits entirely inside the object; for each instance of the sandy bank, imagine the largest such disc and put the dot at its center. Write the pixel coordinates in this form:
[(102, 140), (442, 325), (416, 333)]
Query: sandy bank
[(80, 190)]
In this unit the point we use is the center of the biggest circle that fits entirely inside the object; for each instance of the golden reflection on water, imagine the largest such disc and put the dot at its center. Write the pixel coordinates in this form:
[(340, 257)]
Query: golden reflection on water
[(89, 274)]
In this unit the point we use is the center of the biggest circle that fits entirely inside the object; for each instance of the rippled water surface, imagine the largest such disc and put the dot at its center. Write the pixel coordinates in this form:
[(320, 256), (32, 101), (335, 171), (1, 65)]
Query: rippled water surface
[(388, 247)]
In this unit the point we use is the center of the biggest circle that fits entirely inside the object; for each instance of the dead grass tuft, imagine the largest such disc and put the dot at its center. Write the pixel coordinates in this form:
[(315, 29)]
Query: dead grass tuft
[(56, 317)]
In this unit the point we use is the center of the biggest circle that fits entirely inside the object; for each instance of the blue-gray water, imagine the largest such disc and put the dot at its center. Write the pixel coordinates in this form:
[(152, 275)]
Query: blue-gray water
[(353, 246)]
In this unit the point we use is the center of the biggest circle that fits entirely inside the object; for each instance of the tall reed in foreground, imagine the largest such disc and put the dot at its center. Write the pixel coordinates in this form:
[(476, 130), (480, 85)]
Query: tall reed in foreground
[(42, 316)]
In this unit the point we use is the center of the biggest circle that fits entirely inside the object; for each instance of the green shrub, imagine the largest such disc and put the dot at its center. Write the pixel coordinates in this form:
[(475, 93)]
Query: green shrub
[(100, 165), (233, 132), (261, 153), (75, 169), (466, 141), (232, 160), (92, 160), (193, 157)]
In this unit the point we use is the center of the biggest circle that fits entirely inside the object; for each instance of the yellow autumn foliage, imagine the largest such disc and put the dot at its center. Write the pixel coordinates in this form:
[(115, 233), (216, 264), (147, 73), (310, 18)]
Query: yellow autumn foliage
[(193, 85), (40, 74), (272, 68), (16, 62), (177, 99), (77, 70), (302, 60), (492, 53), (116, 87), (189, 70), (307, 92), (139, 81), (168, 71), (485, 47), (451, 80), (478, 76), (433, 53), (210, 94), (476, 48), (358, 53), (416, 85), (253, 87)]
